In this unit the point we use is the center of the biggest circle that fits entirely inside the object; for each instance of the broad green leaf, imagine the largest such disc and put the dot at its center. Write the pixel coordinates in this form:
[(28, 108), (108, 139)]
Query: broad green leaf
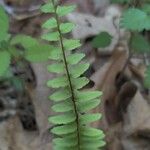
[(56, 68), (26, 41), (38, 53), (60, 95), (58, 82), (102, 40), (15, 53), (89, 118), (50, 23), (88, 105), (48, 8), (66, 27), (71, 44), (140, 44), (134, 19), (75, 58), (4, 24), (63, 106), (147, 78), (79, 69), (64, 10), (4, 45), (54, 36), (34, 50), (64, 129), (7, 75), (88, 95), (62, 119), (79, 83), (5, 59)]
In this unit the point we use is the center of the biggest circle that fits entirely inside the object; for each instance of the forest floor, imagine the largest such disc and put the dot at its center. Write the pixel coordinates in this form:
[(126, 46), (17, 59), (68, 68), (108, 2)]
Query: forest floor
[(125, 104)]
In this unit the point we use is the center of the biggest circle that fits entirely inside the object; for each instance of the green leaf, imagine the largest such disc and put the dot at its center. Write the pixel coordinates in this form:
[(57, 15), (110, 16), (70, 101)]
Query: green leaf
[(66, 27), (56, 68), (88, 95), (58, 82), (91, 132), (71, 44), (65, 129), (147, 78), (75, 58), (134, 19), (51, 36), (63, 107), (26, 41), (92, 145), (65, 142), (64, 10), (15, 52), (38, 53), (79, 69), (93, 138), (55, 54), (62, 119), (34, 50), (146, 8), (88, 118), (4, 24), (50, 24), (48, 8), (4, 62), (79, 83), (102, 40), (140, 44), (60, 95), (88, 105)]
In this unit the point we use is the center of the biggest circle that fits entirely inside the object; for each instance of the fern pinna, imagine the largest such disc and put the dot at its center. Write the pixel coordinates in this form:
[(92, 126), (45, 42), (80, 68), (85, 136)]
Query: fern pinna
[(72, 128)]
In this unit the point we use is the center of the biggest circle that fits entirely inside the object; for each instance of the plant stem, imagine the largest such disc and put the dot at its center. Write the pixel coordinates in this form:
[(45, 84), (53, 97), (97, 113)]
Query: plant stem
[(68, 74)]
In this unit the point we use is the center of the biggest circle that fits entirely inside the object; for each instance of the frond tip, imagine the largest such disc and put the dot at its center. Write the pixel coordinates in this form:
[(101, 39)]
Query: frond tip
[(73, 121)]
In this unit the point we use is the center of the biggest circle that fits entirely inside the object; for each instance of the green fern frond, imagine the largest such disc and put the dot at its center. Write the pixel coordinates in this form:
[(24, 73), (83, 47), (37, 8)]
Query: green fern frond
[(73, 120)]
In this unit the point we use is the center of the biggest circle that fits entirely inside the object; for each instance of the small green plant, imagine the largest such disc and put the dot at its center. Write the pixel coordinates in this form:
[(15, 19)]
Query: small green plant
[(16, 50), (72, 123), (136, 19)]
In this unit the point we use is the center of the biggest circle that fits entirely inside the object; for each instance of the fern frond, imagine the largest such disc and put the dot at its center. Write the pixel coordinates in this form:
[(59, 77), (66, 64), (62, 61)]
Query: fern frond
[(73, 121)]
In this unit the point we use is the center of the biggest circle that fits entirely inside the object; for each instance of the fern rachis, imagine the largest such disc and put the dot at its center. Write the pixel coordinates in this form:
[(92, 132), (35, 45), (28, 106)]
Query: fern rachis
[(67, 73)]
